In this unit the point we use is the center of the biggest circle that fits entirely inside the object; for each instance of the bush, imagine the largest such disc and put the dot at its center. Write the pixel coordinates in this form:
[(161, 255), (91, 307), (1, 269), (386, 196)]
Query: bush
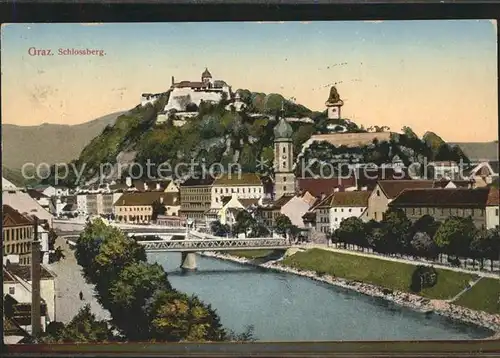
[(423, 277)]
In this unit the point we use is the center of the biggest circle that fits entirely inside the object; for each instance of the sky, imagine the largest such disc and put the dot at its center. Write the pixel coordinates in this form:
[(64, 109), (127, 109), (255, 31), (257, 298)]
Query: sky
[(438, 76)]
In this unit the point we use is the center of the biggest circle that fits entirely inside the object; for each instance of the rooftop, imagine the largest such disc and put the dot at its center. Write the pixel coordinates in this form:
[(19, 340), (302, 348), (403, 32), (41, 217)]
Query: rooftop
[(351, 198), (234, 179), (493, 197), (207, 180), (12, 217), (442, 198), (393, 188), (22, 202), (24, 272), (147, 198), (317, 187)]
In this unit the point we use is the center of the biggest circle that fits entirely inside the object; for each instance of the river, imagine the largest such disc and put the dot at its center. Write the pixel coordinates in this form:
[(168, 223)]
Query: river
[(287, 307)]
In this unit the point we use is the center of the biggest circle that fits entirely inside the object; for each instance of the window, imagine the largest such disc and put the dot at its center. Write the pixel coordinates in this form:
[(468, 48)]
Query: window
[(350, 210), (284, 149), (12, 290), (284, 164), (378, 192), (496, 212), (284, 179), (284, 188)]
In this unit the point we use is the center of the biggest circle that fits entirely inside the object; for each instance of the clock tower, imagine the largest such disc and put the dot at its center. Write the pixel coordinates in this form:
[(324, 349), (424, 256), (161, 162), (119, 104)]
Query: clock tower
[(284, 178)]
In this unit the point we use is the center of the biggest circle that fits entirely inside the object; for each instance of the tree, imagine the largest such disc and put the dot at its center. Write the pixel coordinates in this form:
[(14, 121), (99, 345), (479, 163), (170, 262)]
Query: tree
[(244, 221), (191, 107), (426, 224), (158, 209), (283, 224), (423, 277), (455, 235), (83, 328), (135, 284), (352, 232), (397, 229), (175, 317), (218, 229), (424, 246)]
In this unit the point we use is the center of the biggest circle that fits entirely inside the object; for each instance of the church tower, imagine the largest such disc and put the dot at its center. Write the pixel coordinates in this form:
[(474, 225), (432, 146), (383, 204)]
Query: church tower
[(284, 178)]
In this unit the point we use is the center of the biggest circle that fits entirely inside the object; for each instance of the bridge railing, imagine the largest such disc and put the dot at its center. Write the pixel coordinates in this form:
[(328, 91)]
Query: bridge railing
[(214, 244)]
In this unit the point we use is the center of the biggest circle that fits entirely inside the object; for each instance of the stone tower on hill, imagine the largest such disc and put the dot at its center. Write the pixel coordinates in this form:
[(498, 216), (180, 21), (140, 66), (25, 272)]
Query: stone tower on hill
[(333, 104)]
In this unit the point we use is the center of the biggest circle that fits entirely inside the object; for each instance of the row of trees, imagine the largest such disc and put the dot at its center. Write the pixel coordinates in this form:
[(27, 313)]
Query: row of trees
[(247, 224), (142, 303), (457, 237)]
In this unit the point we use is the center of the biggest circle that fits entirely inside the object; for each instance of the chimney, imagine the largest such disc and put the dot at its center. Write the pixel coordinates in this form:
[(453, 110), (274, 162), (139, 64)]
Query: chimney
[(173, 81), (36, 324)]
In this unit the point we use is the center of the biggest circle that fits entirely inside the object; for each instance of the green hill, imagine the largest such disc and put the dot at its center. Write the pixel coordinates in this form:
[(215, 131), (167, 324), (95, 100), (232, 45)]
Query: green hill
[(218, 135)]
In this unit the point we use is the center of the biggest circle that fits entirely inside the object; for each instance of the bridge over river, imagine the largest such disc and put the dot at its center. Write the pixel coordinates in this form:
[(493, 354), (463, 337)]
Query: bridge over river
[(199, 242)]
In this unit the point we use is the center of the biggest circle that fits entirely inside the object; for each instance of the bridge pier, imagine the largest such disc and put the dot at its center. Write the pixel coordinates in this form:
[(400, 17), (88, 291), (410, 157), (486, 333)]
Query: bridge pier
[(188, 261)]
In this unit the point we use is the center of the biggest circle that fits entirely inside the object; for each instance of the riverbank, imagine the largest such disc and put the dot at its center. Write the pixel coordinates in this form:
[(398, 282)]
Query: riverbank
[(404, 299)]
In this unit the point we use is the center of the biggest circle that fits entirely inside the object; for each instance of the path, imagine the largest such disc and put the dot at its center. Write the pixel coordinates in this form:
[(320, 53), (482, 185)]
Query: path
[(465, 289), (69, 283), (406, 261)]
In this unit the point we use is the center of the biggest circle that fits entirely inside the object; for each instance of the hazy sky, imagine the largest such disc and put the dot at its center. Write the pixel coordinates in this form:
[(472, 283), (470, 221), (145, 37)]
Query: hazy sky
[(430, 75)]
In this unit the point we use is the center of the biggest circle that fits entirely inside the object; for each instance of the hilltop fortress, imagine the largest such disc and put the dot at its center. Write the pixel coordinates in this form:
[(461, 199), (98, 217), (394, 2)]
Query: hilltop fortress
[(189, 94)]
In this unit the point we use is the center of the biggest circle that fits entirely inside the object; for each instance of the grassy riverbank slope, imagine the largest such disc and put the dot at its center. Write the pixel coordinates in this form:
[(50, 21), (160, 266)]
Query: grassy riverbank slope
[(388, 274), (483, 296)]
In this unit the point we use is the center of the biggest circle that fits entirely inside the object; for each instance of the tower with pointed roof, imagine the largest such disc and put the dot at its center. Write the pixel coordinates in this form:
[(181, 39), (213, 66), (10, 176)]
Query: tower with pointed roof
[(284, 177), (206, 77)]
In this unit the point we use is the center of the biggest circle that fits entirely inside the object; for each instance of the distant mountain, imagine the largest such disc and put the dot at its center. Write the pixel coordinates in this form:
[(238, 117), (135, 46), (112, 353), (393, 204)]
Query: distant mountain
[(49, 143), (479, 151)]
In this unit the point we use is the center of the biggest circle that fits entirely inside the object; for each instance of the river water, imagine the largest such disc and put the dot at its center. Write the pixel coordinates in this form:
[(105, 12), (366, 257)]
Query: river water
[(287, 307)]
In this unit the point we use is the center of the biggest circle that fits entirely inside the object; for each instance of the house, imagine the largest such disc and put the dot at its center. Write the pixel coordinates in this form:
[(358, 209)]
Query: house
[(445, 169), (295, 209), (167, 186), (231, 206), (320, 188), (454, 184), (41, 198), (442, 204), (318, 217), (17, 286), (138, 207), (348, 204), (196, 197), (492, 206), (242, 185), (51, 191), (25, 204), (387, 190), (367, 176), (81, 204), (171, 221), (267, 213), (7, 185), (17, 234), (349, 140), (484, 173)]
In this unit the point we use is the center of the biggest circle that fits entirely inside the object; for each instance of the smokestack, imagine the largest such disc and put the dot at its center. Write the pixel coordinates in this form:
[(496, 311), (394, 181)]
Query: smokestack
[(36, 324)]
